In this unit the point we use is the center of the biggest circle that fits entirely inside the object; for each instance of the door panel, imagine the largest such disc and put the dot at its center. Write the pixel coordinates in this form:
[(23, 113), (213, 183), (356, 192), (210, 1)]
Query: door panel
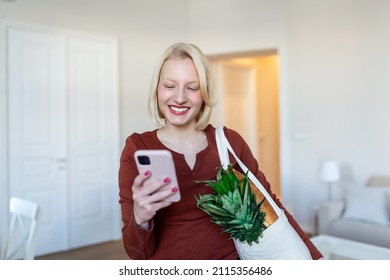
[(91, 135), (238, 100), (37, 130)]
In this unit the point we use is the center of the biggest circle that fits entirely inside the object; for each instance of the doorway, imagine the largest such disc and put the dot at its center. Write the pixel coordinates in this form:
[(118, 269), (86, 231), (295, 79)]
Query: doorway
[(247, 88)]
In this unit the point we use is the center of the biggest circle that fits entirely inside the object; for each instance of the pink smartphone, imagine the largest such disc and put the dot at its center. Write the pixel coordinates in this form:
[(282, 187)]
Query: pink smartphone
[(160, 163)]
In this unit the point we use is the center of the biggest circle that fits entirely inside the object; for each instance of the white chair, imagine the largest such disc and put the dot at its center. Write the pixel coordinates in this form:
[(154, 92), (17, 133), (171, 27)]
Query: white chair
[(23, 228)]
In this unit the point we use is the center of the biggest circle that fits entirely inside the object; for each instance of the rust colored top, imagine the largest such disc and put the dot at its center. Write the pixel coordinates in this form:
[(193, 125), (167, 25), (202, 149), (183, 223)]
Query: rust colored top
[(182, 230)]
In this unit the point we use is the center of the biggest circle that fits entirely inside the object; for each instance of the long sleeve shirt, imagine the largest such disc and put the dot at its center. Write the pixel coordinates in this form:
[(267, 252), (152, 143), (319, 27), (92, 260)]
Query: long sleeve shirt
[(182, 230)]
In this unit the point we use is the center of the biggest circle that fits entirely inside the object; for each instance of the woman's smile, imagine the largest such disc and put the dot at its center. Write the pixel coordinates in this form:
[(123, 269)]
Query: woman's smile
[(178, 110)]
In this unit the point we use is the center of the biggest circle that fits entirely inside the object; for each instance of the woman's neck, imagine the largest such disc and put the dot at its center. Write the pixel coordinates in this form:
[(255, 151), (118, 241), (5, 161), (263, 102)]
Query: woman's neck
[(188, 141), (182, 139), (178, 136)]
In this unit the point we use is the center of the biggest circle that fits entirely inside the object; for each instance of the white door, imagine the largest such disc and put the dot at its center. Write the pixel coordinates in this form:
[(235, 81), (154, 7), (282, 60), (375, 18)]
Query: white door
[(62, 135), (238, 100), (37, 130), (92, 168)]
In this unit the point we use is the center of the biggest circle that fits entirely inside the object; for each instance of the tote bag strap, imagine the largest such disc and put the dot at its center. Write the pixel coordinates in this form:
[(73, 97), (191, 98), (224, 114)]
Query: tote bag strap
[(224, 148)]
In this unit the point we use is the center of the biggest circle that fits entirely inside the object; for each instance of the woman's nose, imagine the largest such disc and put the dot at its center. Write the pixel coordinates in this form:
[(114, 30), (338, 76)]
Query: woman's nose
[(180, 96)]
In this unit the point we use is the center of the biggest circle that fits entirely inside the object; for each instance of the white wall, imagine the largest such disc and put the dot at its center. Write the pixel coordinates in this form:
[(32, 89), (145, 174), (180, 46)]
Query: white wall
[(338, 89), (334, 64)]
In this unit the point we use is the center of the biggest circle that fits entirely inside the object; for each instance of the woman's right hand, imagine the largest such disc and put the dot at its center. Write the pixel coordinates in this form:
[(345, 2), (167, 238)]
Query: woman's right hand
[(147, 199)]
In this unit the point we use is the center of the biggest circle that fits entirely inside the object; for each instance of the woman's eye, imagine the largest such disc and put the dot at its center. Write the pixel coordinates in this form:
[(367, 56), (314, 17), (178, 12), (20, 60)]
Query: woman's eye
[(169, 86), (193, 88)]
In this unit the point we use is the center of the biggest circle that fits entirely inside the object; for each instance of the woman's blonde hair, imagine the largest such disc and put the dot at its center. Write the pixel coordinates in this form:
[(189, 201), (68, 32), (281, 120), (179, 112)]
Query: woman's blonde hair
[(206, 83)]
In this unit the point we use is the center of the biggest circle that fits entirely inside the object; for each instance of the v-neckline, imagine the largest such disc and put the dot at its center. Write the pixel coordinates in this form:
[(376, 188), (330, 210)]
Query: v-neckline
[(182, 160)]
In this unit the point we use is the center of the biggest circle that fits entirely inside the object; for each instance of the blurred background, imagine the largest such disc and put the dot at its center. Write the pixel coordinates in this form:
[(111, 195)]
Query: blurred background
[(303, 81)]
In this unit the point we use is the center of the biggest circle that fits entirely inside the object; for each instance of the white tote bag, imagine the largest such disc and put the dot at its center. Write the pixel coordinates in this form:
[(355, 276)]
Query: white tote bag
[(280, 241)]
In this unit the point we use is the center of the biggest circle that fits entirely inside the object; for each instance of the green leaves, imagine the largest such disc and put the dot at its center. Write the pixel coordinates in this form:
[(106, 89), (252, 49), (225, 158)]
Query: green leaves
[(233, 206)]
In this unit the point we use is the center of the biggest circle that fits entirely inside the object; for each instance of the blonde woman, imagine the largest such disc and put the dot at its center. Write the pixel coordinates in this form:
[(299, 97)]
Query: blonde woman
[(180, 103)]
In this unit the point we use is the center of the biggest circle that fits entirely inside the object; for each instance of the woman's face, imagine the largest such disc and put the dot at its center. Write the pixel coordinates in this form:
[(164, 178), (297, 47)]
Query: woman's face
[(179, 96)]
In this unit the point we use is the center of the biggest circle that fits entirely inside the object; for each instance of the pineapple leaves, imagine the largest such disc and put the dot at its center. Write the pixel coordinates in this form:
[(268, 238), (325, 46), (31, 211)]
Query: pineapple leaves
[(233, 206)]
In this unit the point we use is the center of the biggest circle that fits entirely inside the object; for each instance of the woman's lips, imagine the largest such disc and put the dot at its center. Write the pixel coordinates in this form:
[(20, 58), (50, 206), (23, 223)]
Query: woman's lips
[(178, 110)]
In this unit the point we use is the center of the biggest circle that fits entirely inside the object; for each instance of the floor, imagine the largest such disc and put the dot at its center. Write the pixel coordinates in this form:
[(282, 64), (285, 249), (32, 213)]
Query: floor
[(112, 250)]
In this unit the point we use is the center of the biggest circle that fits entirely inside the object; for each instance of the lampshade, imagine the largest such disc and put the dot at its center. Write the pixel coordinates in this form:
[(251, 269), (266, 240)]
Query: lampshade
[(330, 171)]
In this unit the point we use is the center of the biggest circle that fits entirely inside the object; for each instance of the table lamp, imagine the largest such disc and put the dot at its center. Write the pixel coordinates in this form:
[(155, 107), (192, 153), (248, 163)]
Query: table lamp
[(330, 173)]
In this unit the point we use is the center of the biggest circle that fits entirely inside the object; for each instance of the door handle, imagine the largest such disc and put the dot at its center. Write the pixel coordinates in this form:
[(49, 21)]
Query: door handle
[(61, 163)]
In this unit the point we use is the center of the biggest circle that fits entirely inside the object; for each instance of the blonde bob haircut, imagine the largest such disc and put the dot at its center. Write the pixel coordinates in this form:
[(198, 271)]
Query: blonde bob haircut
[(206, 83)]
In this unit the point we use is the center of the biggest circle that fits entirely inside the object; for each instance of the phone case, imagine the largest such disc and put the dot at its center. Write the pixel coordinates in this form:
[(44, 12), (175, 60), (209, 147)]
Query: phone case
[(160, 163)]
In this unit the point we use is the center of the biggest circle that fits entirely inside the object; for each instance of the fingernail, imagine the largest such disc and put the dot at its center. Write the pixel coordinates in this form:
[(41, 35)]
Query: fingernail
[(147, 173), (167, 180), (175, 189)]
